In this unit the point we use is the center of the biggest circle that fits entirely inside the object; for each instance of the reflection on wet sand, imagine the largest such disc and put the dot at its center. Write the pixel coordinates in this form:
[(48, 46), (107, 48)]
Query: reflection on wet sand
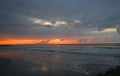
[(45, 62), (44, 68)]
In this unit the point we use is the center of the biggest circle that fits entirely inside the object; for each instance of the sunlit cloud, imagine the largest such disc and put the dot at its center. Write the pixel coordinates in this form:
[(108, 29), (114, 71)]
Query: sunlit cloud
[(110, 30), (41, 22), (78, 21), (60, 22), (106, 30), (47, 23), (58, 41), (57, 22)]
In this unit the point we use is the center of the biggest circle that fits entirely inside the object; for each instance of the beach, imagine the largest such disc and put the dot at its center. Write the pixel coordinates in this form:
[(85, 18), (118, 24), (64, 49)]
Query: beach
[(58, 60)]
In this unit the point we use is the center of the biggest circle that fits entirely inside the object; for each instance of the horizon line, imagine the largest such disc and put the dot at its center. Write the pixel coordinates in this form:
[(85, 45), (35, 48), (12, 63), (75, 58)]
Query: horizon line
[(68, 44)]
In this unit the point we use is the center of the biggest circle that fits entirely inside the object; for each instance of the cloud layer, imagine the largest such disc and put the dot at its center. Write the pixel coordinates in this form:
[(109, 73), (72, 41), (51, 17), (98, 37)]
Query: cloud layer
[(61, 19)]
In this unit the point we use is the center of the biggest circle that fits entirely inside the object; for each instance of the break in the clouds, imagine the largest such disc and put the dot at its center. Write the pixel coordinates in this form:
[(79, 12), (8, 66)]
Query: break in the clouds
[(83, 20)]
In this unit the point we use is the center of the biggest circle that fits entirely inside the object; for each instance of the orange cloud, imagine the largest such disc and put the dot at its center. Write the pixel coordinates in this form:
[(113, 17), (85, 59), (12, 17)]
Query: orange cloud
[(58, 41)]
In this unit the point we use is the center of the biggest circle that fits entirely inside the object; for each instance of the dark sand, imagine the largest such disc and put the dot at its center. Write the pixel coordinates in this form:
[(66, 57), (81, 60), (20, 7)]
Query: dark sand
[(9, 67), (19, 62)]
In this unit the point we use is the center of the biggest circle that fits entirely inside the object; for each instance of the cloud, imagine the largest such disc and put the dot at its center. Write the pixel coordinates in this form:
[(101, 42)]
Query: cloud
[(106, 30), (118, 29), (60, 18), (57, 22)]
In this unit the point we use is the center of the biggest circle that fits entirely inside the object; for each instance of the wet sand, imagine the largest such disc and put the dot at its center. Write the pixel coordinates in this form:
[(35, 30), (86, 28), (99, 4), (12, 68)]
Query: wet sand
[(30, 63), (20, 67), (14, 63)]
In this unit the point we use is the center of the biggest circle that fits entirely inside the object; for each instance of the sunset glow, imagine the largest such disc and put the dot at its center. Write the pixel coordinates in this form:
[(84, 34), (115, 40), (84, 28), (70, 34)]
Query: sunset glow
[(41, 41), (14, 39), (38, 41), (59, 22), (59, 37), (83, 40), (17, 41)]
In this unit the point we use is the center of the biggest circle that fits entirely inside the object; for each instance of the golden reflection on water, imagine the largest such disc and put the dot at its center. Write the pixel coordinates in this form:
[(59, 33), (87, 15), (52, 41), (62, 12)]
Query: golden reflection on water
[(44, 68)]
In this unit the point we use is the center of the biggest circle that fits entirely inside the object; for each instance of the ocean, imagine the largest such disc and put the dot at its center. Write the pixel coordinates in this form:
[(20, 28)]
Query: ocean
[(58, 60)]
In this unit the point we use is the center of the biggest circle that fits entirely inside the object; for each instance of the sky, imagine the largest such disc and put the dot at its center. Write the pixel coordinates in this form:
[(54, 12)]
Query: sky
[(59, 21)]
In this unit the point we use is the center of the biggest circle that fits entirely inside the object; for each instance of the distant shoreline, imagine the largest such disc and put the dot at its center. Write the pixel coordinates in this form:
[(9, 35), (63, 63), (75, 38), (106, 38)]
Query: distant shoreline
[(101, 43), (5, 45)]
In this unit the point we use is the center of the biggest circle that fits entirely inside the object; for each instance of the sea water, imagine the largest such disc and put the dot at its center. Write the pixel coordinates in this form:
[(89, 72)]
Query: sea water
[(85, 59)]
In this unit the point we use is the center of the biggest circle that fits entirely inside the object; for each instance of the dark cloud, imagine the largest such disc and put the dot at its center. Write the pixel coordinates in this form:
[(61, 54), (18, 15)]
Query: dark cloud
[(118, 29), (94, 15), (13, 20)]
